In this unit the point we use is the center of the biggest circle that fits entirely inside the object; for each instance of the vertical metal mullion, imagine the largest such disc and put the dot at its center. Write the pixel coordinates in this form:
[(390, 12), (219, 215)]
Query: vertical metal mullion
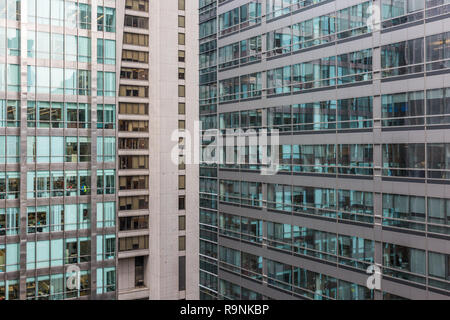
[(23, 146)]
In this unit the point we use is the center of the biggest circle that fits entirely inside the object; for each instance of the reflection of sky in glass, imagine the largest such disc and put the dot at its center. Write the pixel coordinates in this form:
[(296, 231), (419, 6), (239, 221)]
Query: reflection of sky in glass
[(12, 10)]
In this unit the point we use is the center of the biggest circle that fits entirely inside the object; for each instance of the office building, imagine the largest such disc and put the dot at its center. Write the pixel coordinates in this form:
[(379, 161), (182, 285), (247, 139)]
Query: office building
[(359, 93), (58, 203), (158, 198)]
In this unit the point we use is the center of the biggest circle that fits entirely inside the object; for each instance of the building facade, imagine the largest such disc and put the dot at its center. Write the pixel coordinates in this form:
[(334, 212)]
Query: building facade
[(158, 243), (359, 93), (89, 196), (58, 204)]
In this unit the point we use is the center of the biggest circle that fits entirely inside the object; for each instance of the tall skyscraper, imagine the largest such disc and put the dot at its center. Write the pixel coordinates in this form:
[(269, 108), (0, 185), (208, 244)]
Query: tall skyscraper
[(58, 207), (158, 206), (92, 93), (359, 92)]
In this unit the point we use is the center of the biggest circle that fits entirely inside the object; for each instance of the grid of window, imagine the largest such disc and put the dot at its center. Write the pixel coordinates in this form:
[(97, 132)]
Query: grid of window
[(362, 142), (60, 151)]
